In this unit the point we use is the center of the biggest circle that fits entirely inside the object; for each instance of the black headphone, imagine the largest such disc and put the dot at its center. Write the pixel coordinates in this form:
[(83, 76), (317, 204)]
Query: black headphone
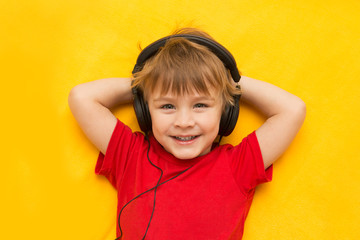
[(231, 112)]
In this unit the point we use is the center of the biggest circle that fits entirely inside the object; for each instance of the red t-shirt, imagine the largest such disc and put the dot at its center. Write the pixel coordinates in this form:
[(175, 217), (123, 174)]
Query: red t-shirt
[(208, 201)]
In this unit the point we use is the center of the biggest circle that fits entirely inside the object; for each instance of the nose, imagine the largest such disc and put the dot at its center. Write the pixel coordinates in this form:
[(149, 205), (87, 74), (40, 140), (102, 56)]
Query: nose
[(184, 119)]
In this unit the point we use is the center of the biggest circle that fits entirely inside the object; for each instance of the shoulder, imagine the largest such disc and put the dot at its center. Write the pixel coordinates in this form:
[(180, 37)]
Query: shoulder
[(124, 138), (243, 155), (250, 141)]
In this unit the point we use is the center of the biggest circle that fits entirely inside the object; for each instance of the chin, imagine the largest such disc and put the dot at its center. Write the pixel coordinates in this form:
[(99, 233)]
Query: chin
[(184, 156), (187, 155)]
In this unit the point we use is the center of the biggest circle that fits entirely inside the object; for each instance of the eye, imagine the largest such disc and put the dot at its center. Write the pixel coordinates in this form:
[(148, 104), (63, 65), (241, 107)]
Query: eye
[(167, 106), (200, 105)]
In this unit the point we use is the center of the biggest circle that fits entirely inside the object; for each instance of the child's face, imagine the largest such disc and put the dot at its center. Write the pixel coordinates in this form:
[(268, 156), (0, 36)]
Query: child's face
[(185, 125)]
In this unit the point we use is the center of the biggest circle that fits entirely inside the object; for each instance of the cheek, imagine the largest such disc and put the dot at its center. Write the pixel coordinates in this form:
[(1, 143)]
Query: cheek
[(160, 123), (211, 122)]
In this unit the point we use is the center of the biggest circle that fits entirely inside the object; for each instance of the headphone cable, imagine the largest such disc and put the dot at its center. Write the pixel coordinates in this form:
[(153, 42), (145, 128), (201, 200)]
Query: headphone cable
[(153, 188), (157, 185)]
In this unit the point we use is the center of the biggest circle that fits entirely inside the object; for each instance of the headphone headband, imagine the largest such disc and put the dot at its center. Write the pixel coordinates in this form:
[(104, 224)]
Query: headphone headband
[(220, 51)]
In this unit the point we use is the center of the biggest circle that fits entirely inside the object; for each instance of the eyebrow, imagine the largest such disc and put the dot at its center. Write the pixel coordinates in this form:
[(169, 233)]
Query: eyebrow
[(199, 98)]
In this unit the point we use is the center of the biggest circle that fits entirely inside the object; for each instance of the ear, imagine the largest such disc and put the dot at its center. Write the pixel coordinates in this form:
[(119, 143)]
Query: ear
[(229, 117), (141, 110)]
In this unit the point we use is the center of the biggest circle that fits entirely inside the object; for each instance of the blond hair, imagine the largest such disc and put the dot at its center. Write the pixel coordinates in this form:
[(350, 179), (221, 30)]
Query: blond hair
[(184, 67)]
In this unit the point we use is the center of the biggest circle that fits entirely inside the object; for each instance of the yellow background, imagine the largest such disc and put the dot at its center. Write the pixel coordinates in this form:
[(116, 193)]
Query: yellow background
[(310, 48)]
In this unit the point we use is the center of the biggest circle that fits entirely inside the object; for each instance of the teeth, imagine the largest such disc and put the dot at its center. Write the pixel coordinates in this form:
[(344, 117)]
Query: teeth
[(185, 138)]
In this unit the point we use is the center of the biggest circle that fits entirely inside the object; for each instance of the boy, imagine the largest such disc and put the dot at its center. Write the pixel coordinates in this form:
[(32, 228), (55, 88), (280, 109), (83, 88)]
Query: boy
[(174, 182)]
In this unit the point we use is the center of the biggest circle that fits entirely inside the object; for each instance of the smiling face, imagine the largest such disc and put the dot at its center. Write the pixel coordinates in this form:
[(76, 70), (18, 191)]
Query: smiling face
[(186, 87), (185, 125)]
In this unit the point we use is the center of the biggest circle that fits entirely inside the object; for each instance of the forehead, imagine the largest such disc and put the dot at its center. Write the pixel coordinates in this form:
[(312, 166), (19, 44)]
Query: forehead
[(208, 92)]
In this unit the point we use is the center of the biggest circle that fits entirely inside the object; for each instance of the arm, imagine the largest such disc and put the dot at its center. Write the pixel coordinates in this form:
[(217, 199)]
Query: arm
[(285, 114), (91, 102)]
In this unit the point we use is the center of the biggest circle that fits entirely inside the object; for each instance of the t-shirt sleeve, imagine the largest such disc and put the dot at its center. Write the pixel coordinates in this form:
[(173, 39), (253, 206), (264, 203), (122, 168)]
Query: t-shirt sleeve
[(247, 164), (113, 163)]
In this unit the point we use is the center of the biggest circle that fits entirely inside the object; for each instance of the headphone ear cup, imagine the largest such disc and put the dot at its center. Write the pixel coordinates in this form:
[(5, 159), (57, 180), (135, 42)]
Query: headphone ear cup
[(229, 117), (141, 111)]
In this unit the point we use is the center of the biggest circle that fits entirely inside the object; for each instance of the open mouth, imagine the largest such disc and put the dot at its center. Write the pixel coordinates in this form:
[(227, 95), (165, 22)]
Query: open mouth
[(187, 138)]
